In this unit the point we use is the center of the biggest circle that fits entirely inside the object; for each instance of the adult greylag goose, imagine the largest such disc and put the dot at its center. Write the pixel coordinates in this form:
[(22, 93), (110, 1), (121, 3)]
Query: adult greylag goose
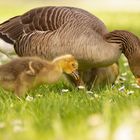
[(52, 31)]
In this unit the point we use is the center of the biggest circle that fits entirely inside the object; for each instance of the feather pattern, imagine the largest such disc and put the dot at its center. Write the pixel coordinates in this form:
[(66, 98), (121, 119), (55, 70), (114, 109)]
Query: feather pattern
[(129, 42), (52, 31)]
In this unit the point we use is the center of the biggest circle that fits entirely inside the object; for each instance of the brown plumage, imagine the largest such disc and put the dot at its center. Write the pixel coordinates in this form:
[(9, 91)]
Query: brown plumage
[(52, 31), (100, 77), (24, 73), (130, 46)]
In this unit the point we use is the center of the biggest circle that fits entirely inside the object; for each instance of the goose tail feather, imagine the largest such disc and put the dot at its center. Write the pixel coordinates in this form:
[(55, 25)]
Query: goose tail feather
[(11, 29)]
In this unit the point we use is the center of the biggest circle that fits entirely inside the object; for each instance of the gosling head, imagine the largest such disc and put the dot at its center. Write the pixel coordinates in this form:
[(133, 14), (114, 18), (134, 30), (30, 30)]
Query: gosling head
[(69, 65)]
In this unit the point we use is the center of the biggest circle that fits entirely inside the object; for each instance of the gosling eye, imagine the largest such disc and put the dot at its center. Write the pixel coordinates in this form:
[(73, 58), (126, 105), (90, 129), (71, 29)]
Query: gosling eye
[(74, 65)]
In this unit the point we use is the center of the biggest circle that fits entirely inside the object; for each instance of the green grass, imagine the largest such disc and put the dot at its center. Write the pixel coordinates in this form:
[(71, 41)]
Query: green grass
[(121, 20), (105, 114)]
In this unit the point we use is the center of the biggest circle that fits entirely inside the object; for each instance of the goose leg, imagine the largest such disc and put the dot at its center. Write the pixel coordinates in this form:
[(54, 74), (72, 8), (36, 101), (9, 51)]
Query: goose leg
[(20, 89), (88, 77), (20, 86)]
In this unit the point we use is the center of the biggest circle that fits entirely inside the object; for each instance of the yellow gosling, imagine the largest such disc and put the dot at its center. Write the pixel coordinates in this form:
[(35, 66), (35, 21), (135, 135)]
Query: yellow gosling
[(25, 73)]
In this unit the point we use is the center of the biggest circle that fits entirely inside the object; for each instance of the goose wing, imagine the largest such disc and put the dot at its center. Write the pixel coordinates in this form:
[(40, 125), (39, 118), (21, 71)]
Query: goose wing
[(45, 19), (38, 19), (52, 31)]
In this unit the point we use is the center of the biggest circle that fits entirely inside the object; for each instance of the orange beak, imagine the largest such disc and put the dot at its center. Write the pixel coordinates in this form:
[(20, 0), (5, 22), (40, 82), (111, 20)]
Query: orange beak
[(138, 81)]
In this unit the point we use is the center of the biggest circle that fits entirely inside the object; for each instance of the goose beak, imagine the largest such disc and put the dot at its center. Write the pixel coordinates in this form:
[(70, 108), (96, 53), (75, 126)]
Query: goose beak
[(75, 75), (138, 81), (77, 80)]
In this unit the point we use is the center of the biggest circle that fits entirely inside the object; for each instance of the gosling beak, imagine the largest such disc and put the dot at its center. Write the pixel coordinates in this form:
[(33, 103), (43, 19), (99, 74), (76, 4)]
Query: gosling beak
[(138, 81), (75, 75)]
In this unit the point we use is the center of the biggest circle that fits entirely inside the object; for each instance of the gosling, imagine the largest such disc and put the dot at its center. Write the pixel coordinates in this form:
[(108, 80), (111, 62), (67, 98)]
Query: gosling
[(99, 77), (25, 73)]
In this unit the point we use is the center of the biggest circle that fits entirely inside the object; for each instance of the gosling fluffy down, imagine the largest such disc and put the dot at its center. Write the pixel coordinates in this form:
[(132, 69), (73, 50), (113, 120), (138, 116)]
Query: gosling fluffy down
[(22, 74)]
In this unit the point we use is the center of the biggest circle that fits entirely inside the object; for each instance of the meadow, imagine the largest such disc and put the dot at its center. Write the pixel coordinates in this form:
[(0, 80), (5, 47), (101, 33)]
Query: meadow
[(52, 113)]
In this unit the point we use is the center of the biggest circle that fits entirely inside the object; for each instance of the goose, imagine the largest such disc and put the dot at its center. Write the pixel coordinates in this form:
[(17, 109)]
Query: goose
[(52, 31), (24, 73)]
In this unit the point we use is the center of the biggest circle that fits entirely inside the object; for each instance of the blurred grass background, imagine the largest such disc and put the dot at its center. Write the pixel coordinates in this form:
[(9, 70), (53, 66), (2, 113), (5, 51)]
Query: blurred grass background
[(110, 113)]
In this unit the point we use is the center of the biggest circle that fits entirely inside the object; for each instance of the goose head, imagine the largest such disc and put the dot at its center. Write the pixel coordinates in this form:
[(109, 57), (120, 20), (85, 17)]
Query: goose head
[(134, 64), (130, 46), (69, 65)]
